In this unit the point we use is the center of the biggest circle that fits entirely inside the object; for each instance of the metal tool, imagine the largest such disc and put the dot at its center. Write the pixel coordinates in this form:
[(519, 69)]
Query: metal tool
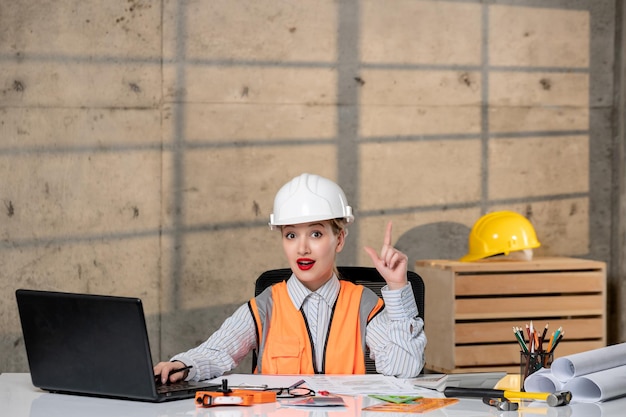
[(501, 404), (553, 399)]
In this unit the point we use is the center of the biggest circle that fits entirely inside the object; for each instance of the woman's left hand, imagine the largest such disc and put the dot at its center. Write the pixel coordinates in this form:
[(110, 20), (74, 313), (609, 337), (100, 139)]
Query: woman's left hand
[(391, 264)]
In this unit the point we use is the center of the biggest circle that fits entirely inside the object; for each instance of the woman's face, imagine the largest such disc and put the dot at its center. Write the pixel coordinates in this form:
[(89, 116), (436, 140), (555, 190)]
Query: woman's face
[(310, 249)]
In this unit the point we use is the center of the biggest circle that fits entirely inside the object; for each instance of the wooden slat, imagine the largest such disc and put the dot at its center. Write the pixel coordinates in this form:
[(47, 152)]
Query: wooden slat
[(529, 307), (537, 264), (509, 354), (535, 283), (502, 331)]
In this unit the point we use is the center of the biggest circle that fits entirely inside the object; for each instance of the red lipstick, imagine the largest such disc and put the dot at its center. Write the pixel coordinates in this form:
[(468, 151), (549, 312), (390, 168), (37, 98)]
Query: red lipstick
[(305, 264)]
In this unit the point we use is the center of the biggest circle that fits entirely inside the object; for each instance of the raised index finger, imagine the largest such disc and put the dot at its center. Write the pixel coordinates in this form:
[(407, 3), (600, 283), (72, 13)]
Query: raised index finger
[(387, 241)]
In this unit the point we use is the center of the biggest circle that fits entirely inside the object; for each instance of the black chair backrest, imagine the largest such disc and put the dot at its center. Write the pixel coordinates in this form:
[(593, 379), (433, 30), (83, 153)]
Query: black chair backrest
[(366, 276)]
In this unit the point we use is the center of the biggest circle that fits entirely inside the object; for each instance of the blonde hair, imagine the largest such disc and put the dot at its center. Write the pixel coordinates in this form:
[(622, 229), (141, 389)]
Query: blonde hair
[(338, 226)]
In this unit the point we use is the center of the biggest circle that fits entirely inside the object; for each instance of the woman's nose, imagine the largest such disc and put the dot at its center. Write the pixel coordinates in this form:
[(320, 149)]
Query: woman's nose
[(303, 246)]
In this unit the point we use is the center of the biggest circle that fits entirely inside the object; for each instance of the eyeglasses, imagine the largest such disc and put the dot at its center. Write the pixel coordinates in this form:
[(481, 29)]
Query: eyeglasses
[(292, 392)]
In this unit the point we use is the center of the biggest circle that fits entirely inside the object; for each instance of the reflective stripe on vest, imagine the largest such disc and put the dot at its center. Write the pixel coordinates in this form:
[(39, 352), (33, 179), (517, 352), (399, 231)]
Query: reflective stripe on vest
[(284, 345)]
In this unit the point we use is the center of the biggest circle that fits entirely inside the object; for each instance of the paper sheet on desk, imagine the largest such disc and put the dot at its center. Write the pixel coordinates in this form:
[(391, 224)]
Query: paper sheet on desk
[(359, 384), (272, 381)]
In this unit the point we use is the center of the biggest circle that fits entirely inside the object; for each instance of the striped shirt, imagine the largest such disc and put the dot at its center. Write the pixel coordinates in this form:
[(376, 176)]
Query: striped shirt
[(395, 336)]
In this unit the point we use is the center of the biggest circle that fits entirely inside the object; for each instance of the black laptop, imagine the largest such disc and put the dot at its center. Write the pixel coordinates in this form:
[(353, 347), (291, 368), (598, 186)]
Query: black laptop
[(93, 345)]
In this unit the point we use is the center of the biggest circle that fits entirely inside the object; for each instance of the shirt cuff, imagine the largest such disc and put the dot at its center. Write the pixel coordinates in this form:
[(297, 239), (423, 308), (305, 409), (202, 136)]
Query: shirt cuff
[(400, 304)]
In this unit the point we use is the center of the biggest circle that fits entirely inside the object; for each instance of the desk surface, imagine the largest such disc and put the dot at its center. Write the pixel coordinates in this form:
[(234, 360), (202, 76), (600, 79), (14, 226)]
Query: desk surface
[(18, 398)]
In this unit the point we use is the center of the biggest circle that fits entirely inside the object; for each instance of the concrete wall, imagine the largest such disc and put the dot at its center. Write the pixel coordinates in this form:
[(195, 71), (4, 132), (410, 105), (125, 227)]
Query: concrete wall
[(142, 142)]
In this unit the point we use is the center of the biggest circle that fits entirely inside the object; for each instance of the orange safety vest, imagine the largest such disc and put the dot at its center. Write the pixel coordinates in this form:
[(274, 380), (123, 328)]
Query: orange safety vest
[(283, 340)]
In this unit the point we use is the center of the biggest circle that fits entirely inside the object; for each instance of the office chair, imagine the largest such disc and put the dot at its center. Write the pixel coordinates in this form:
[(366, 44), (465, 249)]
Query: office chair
[(366, 276)]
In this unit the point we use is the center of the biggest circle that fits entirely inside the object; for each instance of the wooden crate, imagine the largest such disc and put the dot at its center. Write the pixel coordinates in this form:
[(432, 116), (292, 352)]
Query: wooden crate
[(471, 308)]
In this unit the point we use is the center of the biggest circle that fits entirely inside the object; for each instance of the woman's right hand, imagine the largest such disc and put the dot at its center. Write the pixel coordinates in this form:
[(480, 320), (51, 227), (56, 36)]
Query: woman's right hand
[(164, 369)]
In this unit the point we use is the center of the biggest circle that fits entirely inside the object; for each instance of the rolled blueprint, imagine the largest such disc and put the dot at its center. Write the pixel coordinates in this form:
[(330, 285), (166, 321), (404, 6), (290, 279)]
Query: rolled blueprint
[(568, 367), (598, 386), (542, 381)]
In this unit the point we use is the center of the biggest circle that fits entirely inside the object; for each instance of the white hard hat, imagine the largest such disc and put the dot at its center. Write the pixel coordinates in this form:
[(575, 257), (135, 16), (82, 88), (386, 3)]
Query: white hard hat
[(308, 198)]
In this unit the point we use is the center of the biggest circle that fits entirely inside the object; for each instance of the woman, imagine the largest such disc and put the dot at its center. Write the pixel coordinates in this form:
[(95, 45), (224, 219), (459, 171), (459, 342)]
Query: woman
[(315, 322)]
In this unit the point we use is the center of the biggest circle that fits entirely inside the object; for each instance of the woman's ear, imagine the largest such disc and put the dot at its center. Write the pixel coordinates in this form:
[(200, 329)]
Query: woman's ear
[(341, 240)]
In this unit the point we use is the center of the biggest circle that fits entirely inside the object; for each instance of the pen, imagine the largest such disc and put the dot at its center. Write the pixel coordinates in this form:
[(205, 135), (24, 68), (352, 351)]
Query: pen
[(297, 384), (175, 371)]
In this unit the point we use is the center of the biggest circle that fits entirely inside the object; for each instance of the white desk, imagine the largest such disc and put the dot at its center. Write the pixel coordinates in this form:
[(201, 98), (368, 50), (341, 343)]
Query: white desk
[(18, 398)]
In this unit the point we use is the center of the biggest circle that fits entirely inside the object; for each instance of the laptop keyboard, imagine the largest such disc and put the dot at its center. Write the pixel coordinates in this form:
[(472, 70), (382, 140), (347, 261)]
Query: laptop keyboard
[(176, 386)]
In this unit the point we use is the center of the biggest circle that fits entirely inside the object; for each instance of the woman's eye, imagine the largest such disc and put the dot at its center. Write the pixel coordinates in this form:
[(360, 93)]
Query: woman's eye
[(289, 235), (316, 234)]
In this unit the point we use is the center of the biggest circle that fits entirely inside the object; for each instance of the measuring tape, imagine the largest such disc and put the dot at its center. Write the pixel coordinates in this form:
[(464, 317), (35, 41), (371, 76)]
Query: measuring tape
[(235, 397)]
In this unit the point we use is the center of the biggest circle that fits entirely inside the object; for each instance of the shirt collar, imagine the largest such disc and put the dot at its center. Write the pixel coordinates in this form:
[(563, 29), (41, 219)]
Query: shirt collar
[(299, 293)]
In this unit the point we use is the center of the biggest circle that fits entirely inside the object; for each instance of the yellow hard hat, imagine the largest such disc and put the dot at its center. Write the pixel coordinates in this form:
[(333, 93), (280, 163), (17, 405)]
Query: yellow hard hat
[(500, 232)]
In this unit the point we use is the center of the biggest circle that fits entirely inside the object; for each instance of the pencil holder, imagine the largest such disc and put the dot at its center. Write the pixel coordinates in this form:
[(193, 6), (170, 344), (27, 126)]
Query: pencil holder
[(531, 362)]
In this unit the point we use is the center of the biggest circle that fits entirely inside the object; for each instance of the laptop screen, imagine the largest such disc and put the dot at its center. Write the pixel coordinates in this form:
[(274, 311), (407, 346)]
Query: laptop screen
[(90, 344)]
